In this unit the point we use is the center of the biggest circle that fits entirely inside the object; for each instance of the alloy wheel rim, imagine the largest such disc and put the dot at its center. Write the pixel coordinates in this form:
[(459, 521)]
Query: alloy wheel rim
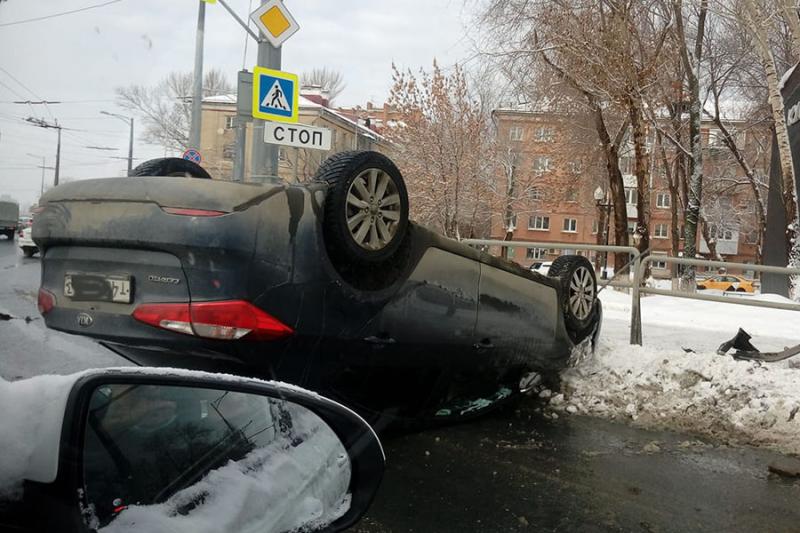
[(581, 293), (372, 209)]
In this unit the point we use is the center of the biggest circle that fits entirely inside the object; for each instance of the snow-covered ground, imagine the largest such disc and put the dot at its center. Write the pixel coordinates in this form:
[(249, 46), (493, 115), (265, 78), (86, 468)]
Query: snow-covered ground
[(662, 385)]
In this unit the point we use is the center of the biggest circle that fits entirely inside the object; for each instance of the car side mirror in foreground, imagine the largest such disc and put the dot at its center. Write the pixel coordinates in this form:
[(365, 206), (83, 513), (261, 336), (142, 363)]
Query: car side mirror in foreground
[(172, 450)]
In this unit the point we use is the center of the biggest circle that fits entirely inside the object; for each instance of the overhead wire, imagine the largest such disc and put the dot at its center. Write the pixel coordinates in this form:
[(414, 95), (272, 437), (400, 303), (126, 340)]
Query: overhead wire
[(54, 15), (7, 73)]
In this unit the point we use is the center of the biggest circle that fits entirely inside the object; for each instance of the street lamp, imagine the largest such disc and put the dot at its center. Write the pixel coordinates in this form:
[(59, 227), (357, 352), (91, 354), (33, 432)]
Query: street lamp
[(604, 208), (130, 141)]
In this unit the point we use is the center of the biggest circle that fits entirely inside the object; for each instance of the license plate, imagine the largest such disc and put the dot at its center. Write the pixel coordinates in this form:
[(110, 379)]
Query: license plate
[(98, 288)]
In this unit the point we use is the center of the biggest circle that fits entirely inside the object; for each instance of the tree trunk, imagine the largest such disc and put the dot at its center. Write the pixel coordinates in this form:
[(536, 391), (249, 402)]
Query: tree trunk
[(616, 184), (752, 180), (642, 174), (695, 185), (672, 183), (757, 23)]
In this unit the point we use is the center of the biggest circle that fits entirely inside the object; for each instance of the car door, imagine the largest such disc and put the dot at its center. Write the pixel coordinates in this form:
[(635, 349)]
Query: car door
[(517, 316), (437, 305)]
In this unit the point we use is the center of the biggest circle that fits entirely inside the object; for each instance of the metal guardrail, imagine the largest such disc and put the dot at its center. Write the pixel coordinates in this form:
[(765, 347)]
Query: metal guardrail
[(638, 289), (569, 246), (640, 262)]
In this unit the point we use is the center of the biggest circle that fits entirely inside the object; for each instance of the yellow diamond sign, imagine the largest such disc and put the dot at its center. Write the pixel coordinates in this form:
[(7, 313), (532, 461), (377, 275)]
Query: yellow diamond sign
[(275, 22)]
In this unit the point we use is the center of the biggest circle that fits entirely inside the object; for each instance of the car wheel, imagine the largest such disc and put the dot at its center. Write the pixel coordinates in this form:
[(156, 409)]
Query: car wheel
[(366, 208), (579, 293), (170, 166), (740, 290), (28, 251), (730, 288)]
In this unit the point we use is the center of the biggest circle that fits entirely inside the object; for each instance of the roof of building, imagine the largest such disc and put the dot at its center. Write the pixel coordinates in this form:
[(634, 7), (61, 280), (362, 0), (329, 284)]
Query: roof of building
[(305, 103)]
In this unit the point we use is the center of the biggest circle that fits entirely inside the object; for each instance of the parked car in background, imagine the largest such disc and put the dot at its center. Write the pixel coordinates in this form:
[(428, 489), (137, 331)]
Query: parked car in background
[(327, 285), (727, 282), (541, 267), (25, 241), (9, 214)]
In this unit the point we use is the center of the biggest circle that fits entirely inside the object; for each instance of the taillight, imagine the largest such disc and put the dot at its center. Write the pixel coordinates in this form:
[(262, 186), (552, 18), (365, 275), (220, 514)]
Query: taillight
[(46, 301), (225, 320), (192, 212)]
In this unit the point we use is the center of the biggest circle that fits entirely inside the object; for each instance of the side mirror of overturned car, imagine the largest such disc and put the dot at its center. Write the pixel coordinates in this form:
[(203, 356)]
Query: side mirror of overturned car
[(142, 449)]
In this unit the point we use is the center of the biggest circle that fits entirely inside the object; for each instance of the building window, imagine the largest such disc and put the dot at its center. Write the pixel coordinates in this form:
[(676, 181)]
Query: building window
[(510, 252), (570, 225), (515, 133), (663, 200), (552, 251), (576, 167), (541, 164), (544, 134), (658, 264), (630, 196), (572, 195), (720, 234), (513, 223), (229, 122), (595, 227), (535, 194), (631, 227), (539, 223), (662, 231), (536, 253)]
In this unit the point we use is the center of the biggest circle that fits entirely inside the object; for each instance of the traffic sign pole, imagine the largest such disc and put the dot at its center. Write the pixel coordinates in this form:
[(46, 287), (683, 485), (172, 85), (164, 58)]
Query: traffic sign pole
[(264, 158), (197, 91)]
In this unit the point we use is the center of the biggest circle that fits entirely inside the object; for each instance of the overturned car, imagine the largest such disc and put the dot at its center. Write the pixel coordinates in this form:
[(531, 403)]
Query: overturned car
[(327, 285)]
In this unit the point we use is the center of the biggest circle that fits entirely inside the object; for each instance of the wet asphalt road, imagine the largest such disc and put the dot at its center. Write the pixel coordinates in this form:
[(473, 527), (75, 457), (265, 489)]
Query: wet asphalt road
[(511, 471)]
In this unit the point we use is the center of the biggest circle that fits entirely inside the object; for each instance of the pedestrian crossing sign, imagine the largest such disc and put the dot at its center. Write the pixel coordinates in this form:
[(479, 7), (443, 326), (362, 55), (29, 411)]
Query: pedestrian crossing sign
[(275, 95)]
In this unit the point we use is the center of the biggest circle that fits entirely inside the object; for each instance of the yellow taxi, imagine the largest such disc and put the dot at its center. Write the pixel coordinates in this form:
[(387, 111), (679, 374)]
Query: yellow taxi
[(727, 282)]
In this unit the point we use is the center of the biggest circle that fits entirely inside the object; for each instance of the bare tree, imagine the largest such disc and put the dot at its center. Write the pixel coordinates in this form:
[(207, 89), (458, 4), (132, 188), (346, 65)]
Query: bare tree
[(758, 22), (329, 80), (166, 107), (443, 144)]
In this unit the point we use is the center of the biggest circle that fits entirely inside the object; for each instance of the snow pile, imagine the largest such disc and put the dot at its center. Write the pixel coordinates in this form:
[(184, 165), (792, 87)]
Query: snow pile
[(278, 488), (661, 385), (31, 417)]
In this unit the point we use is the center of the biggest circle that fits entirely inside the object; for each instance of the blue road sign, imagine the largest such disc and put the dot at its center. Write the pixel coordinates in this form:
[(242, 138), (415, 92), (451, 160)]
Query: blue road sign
[(193, 155), (275, 95)]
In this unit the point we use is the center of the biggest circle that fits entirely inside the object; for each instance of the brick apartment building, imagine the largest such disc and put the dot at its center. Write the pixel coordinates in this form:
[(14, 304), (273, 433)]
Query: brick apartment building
[(377, 118), (560, 161), (218, 135)]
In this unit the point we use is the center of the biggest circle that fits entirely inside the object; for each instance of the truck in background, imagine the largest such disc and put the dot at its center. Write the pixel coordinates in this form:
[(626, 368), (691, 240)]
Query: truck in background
[(9, 215)]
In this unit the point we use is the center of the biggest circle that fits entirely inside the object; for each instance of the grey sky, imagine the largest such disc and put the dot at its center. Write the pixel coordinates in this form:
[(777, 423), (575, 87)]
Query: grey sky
[(80, 58)]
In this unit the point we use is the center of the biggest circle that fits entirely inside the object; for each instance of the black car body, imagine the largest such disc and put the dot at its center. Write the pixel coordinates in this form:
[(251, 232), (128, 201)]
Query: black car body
[(439, 327)]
